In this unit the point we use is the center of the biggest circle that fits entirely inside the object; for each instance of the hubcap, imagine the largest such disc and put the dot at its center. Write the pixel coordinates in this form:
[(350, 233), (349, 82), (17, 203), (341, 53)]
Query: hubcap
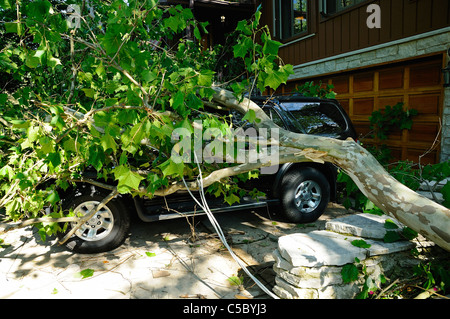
[(96, 228), (308, 196)]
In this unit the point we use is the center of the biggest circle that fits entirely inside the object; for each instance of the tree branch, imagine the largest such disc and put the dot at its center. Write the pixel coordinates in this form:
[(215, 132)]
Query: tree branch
[(6, 227), (85, 218)]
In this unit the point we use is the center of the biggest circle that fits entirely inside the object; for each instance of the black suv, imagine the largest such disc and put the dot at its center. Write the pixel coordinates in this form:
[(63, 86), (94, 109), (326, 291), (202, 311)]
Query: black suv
[(302, 191)]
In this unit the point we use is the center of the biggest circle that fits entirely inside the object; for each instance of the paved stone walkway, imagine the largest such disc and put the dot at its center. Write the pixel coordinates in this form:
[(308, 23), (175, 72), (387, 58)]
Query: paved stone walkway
[(157, 261)]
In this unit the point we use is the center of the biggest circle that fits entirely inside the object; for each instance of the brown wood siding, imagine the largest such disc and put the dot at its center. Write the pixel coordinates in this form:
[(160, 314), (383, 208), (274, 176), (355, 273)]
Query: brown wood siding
[(347, 31), (417, 84)]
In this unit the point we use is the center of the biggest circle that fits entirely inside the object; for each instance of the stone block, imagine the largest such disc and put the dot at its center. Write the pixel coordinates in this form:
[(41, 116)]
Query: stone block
[(387, 52), (361, 225), (295, 293), (318, 248), (309, 265), (347, 291)]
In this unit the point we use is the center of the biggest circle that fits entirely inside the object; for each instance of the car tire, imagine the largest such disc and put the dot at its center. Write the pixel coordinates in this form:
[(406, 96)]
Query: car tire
[(305, 194), (105, 231)]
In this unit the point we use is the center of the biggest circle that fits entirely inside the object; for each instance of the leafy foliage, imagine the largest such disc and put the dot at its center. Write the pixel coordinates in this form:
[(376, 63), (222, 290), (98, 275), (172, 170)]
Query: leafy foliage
[(104, 94), (392, 117), (317, 90)]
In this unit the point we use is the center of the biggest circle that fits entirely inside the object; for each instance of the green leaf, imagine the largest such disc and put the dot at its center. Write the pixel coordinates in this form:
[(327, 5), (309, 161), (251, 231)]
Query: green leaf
[(243, 27), (197, 34), (69, 145), (409, 233), (277, 77), (113, 37), (86, 273), (3, 98), (251, 117), (231, 199), (38, 10), (391, 237), (128, 180), (170, 168), (7, 171), (175, 23), (96, 157), (148, 75), (235, 280), (54, 159), (20, 123), (349, 273), (89, 92), (47, 145), (53, 198), (177, 101), (361, 244), (446, 194), (271, 47), (13, 27), (244, 45), (108, 142), (6, 4), (389, 224), (57, 121), (149, 254)]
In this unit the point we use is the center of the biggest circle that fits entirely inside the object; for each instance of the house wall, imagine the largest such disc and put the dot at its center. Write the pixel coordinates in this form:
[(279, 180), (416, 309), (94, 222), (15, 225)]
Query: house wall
[(347, 31), (410, 46), (445, 152), (409, 50)]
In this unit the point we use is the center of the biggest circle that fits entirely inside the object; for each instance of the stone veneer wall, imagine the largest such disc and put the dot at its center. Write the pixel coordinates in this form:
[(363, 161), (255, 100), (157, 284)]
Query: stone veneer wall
[(445, 146), (423, 44)]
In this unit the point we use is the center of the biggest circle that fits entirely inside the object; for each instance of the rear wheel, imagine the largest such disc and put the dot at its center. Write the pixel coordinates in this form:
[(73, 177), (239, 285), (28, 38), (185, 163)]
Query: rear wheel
[(305, 193), (105, 231)]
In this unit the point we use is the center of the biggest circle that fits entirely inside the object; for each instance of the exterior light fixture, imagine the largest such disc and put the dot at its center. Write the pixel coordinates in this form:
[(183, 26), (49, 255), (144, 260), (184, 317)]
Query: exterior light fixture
[(222, 19), (446, 73)]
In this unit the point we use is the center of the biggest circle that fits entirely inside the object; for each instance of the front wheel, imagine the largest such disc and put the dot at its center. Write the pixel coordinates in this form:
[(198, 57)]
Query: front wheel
[(105, 231), (305, 193)]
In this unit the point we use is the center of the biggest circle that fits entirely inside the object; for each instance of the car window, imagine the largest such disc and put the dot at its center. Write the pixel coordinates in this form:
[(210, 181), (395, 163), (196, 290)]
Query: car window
[(317, 118), (274, 116)]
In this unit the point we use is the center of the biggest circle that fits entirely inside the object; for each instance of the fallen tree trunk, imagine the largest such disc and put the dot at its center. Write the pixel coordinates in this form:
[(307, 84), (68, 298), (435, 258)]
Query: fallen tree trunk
[(395, 199)]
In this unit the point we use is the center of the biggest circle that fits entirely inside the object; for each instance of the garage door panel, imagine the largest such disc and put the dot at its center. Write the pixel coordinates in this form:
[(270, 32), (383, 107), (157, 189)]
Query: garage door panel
[(389, 100), (416, 83), (423, 133), (363, 106), (426, 74), (391, 79), (425, 104), (362, 128), (345, 105), (363, 82), (425, 156), (341, 85)]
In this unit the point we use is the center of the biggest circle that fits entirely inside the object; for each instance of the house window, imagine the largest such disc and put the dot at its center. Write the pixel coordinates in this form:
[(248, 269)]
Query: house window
[(291, 18), (330, 7)]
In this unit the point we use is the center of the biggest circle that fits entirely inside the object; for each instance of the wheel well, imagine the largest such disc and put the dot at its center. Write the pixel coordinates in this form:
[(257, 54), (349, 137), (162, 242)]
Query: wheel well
[(328, 170)]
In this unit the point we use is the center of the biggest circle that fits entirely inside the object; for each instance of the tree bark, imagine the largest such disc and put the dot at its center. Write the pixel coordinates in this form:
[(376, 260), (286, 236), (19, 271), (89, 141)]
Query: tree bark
[(393, 198)]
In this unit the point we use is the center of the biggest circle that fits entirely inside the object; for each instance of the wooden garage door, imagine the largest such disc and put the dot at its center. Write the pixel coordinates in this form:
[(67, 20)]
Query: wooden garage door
[(417, 84)]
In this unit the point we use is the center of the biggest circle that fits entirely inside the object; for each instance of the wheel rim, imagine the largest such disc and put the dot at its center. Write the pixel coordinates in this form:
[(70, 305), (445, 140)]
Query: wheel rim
[(96, 228), (308, 196)]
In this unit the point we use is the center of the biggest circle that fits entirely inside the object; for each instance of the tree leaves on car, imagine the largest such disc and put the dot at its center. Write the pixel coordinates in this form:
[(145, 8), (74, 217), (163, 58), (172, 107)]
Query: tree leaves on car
[(128, 180)]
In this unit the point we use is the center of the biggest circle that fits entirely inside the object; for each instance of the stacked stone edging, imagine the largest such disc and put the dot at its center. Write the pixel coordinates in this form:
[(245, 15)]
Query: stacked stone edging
[(308, 266)]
